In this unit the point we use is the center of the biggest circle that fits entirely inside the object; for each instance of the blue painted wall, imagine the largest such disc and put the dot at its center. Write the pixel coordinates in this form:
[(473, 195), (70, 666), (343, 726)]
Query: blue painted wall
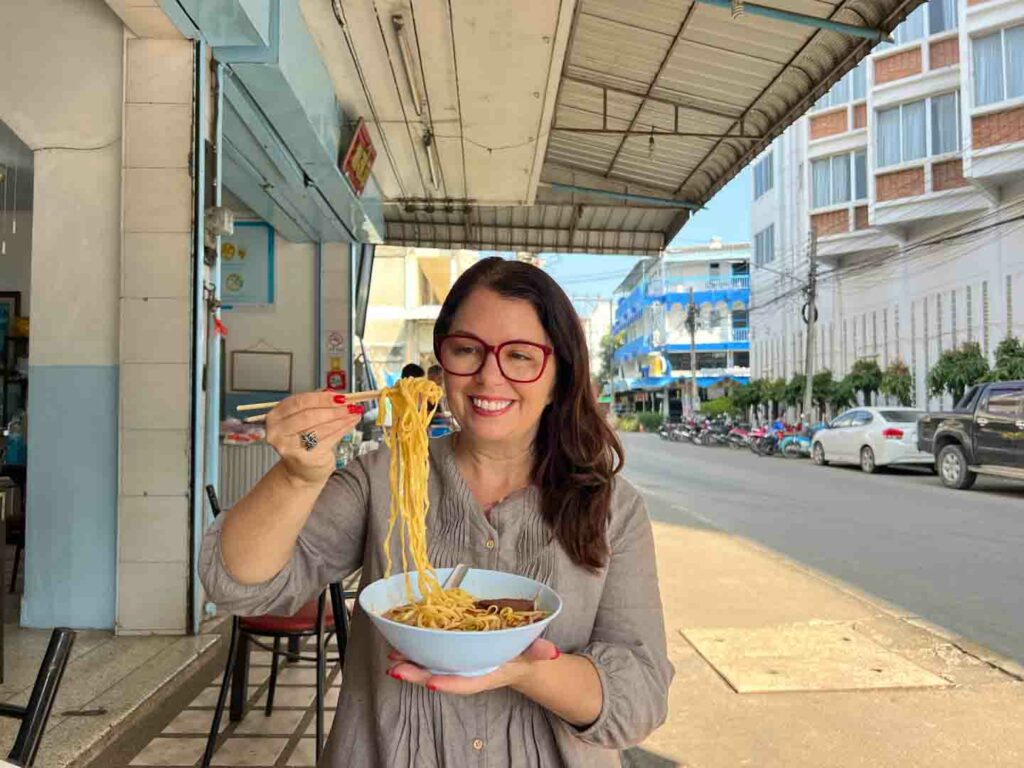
[(71, 535)]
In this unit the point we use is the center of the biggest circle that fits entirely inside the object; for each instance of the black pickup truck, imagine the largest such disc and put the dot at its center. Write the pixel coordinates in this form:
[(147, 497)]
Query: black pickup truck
[(984, 435)]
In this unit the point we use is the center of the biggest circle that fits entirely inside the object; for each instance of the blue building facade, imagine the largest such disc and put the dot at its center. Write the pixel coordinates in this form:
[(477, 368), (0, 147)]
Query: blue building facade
[(653, 366)]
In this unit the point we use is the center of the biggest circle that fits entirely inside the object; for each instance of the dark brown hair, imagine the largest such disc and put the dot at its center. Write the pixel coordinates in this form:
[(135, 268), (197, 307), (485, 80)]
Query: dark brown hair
[(576, 453)]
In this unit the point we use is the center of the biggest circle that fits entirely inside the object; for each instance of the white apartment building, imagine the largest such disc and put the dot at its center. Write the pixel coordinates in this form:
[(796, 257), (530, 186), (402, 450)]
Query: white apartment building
[(409, 286), (911, 173)]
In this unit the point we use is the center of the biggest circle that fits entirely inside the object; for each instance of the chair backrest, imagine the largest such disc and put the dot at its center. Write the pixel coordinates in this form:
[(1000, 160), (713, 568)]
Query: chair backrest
[(36, 713), (211, 494)]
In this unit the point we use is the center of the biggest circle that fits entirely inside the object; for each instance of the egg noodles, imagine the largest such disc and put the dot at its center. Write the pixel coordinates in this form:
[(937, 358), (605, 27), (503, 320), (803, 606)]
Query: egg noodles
[(412, 403)]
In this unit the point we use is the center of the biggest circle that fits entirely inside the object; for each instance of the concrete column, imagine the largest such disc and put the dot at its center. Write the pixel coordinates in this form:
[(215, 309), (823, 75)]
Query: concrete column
[(155, 340), (61, 93), (337, 301)]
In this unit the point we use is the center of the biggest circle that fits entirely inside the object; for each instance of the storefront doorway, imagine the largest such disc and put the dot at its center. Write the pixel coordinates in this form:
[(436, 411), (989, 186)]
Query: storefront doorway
[(16, 182)]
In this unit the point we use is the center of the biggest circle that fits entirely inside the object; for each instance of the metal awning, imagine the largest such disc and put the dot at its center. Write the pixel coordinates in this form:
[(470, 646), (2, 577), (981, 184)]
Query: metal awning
[(596, 126)]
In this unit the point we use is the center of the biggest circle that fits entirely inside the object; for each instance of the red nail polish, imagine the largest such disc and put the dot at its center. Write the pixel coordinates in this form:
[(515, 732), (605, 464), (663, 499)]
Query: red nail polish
[(558, 653), (339, 399), (431, 687), (355, 409), (395, 675)]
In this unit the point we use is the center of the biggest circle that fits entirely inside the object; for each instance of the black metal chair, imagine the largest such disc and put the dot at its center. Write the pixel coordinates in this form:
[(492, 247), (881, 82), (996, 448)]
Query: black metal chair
[(36, 713), (309, 621)]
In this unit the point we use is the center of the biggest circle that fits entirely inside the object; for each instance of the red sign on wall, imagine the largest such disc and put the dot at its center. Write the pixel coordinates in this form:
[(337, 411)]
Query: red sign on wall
[(358, 162)]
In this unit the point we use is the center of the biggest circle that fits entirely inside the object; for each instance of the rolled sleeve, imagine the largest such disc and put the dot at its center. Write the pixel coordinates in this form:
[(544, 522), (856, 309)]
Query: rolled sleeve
[(627, 645), (329, 547)]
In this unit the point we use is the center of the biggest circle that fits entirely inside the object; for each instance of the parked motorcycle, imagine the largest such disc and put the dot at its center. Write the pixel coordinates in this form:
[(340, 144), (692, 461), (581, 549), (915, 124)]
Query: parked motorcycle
[(798, 445)]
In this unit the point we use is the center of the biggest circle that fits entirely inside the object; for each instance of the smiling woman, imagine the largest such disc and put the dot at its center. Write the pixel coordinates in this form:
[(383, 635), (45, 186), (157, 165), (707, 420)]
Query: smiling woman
[(529, 485)]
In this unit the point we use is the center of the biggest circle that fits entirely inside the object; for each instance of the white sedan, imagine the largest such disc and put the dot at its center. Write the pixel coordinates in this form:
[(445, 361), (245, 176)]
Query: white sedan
[(871, 438)]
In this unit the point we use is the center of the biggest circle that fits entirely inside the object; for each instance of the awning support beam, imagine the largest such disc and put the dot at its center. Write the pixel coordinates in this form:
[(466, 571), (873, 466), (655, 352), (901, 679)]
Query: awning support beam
[(667, 202), (778, 14), (655, 132)]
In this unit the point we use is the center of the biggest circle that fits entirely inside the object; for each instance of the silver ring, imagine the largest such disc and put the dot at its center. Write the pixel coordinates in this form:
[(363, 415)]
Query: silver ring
[(309, 440)]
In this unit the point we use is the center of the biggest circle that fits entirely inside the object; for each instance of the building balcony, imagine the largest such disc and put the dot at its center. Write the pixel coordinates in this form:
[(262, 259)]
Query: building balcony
[(709, 289), (915, 70), (923, 190), (845, 231), (996, 154)]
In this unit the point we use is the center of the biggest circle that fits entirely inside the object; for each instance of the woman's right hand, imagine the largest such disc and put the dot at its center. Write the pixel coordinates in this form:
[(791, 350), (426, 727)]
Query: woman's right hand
[(325, 414)]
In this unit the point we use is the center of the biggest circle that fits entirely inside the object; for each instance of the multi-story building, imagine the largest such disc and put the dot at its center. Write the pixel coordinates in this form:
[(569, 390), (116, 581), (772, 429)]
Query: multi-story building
[(408, 287), (910, 172), (654, 371)]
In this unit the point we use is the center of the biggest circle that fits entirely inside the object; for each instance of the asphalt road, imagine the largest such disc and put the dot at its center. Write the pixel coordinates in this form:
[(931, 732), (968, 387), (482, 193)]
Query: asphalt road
[(955, 558)]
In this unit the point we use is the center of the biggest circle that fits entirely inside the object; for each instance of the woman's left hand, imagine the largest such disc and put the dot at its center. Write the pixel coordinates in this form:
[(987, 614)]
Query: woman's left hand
[(508, 675)]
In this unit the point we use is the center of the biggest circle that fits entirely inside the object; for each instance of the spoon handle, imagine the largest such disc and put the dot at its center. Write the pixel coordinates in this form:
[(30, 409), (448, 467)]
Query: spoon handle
[(456, 576)]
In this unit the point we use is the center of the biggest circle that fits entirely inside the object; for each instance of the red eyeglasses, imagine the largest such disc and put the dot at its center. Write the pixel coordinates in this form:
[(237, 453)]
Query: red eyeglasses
[(463, 354)]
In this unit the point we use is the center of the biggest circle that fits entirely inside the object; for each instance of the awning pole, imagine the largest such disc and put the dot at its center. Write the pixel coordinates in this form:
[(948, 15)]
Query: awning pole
[(778, 14)]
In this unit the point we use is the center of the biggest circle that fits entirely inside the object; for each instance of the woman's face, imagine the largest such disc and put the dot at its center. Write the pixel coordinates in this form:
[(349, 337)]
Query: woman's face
[(488, 406)]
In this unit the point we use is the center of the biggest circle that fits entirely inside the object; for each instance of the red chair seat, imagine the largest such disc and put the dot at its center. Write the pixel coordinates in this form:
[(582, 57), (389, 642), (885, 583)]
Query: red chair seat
[(303, 621)]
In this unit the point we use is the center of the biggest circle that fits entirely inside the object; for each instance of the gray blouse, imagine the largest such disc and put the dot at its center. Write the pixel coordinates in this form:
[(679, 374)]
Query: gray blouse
[(614, 618)]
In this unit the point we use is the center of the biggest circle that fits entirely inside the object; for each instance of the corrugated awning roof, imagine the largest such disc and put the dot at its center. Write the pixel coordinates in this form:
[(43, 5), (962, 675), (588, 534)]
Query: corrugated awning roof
[(656, 104)]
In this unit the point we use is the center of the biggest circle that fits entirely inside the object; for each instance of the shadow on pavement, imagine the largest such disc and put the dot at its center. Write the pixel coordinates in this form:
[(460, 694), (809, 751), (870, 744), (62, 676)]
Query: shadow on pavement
[(641, 758)]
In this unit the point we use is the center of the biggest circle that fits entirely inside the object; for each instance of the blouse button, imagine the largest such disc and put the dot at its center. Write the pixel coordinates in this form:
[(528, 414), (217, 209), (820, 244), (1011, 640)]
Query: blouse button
[(478, 744), (490, 544)]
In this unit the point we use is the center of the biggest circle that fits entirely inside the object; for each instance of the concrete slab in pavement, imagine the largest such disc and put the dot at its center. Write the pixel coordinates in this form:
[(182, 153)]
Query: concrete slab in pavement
[(711, 580)]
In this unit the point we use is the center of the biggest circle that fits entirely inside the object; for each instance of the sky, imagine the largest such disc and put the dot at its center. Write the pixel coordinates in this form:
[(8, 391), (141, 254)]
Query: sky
[(727, 216)]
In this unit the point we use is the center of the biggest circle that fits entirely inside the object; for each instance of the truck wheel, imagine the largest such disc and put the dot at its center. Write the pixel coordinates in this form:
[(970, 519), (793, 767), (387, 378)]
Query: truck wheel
[(953, 468), (818, 455), (867, 460)]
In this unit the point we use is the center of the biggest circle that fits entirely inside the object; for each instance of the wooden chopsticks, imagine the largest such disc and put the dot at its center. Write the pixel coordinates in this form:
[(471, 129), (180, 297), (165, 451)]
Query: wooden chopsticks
[(350, 397)]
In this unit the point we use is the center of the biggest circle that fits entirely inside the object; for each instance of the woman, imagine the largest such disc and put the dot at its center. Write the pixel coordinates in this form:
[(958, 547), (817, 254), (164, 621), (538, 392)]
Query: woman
[(529, 486)]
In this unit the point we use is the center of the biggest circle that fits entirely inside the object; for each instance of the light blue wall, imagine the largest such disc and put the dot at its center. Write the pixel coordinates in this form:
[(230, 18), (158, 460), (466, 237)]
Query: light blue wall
[(71, 536)]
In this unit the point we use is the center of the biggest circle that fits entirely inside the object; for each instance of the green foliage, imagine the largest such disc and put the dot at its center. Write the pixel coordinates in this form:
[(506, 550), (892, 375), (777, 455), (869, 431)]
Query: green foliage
[(1009, 361), (749, 395), (958, 369), (718, 407), (897, 382), (866, 378), (629, 424), (822, 387), (794, 394), (609, 344), (844, 394), (650, 420)]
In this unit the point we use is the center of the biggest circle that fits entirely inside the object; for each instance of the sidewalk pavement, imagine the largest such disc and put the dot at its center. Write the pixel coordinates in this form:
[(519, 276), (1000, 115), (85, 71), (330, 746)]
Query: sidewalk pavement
[(778, 665)]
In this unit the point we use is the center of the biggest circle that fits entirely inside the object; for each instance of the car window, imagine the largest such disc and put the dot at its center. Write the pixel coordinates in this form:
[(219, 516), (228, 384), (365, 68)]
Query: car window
[(843, 420), (1004, 401), (860, 418), (969, 400), (901, 417)]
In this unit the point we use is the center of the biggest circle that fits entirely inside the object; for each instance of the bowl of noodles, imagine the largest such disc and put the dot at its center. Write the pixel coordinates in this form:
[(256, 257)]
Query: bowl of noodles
[(470, 631)]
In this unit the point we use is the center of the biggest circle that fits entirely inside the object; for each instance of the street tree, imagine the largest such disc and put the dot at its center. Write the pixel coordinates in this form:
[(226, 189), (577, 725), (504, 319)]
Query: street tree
[(866, 378), (609, 343), (956, 370), (844, 394), (795, 390), (898, 383), (1009, 361), (822, 386), (775, 395)]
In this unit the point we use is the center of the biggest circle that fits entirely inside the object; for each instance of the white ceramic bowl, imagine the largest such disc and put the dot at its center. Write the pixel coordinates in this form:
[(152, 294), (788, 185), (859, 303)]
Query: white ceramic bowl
[(459, 653)]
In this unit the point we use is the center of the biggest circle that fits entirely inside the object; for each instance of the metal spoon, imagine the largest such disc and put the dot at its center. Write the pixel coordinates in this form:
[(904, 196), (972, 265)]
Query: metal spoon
[(456, 576)]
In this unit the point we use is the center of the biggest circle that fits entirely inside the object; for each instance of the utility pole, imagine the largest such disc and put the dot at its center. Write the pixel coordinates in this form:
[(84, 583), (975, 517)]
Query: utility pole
[(811, 316), (691, 326)]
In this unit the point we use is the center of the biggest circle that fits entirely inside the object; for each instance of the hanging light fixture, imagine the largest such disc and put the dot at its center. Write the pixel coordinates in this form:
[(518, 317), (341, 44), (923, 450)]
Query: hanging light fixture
[(428, 144), (736, 8), (650, 145), (405, 54)]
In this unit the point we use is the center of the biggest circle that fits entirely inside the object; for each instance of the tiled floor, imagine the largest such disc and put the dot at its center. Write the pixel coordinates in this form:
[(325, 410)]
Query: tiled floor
[(286, 738)]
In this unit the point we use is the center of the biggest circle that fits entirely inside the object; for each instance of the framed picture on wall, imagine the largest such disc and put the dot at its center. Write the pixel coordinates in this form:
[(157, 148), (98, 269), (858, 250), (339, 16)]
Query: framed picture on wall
[(10, 308), (247, 265), (260, 371)]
